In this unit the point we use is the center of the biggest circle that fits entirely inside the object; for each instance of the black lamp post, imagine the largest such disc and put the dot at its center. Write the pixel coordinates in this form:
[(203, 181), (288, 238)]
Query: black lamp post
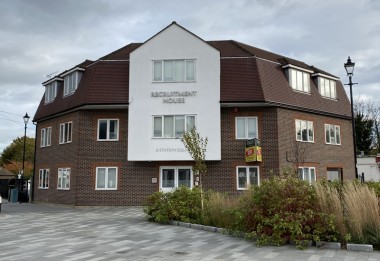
[(26, 119), (349, 66)]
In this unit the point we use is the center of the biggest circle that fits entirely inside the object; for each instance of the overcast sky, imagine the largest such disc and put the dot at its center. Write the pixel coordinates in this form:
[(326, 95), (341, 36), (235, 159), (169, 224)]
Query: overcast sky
[(41, 37)]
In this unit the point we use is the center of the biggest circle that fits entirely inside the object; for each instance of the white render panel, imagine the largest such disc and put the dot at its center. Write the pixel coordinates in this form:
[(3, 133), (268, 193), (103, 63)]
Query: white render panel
[(369, 167), (173, 43)]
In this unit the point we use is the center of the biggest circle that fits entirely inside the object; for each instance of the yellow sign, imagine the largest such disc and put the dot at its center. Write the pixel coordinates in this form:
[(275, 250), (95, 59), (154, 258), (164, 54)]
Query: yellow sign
[(253, 153)]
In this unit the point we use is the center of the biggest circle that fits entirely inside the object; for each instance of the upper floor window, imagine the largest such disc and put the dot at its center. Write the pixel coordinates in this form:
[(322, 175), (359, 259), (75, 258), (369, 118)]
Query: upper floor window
[(106, 178), (304, 131), (307, 174), (246, 127), (246, 177), (64, 178), (108, 129), (172, 126), (174, 70), (332, 134), (43, 181), (299, 80), (46, 137), (65, 132), (51, 91), (71, 82), (327, 88)]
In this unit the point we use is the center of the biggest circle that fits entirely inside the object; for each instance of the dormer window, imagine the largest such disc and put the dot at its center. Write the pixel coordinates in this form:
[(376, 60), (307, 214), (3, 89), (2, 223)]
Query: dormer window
[(327, 87), (51, 91), (299, 78), (71, 81)]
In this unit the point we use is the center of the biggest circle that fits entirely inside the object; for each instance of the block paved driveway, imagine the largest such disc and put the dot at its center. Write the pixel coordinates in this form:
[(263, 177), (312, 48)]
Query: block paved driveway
[(44, 232)]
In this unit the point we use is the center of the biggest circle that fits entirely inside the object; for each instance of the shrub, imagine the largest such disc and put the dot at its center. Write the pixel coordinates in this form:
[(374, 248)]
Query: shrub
[(283, 210), (329, 198), (183, 204), (355, 208), (375, 186), (219, 210), (157, 207), (363, 213)]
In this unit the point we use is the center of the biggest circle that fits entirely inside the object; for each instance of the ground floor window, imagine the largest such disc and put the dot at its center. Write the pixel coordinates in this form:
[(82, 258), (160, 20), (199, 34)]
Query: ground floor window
[(247, 176), (43, 182), (174, 177), (307, 174), (334, 174), (64, 178), (106, 178)]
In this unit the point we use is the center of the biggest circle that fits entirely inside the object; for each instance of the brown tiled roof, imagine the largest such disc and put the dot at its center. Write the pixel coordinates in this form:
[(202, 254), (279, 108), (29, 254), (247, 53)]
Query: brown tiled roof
[(122, 53), (248, 74)]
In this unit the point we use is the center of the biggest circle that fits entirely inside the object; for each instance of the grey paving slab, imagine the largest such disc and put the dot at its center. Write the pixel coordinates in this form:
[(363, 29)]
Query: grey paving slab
[(47, 232)]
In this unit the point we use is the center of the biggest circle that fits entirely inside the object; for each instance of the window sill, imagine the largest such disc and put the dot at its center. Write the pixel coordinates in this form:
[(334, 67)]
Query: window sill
[(65, 143), (43, 188), (108, 140), (154, 82), (306, 141), (302, 92)]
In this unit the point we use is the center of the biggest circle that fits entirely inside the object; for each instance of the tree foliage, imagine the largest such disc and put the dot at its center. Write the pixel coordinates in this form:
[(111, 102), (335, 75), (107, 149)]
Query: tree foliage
[(367, 126), (196, 145), (12, 156), (363, 131)]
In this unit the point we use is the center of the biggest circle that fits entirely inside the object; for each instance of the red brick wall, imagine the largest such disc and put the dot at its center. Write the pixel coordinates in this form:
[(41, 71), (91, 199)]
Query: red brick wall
[(317, 154), (85, 153)]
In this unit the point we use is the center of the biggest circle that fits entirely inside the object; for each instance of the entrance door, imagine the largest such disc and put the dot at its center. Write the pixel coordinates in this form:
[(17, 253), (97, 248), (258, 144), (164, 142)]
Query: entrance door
[(174, 177)]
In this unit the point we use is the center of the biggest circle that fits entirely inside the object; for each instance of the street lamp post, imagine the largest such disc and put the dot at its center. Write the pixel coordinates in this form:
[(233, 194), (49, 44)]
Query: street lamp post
[(349, 66), (26, 119)]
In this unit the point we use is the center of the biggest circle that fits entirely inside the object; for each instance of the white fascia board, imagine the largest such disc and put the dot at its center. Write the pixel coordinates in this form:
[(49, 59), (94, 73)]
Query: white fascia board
[(52, 80), (297, 68), (325, 76), (73, 70)]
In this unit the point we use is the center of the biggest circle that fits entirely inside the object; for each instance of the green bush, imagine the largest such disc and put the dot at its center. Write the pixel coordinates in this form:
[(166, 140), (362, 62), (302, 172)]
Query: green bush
[(284, 210), (183, 204), (375, 186)]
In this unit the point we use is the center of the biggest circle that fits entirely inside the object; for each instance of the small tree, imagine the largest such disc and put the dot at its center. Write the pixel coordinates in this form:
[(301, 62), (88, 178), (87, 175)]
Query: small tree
[(196, 145)]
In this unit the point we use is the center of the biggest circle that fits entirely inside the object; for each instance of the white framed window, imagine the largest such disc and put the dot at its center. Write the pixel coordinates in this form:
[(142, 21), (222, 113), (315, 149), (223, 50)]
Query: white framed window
[(174, 70), (43, 181), (174, 177), (327, 87), (51, 91), (108, 129), (45, 137), (332, 134), (70, 82), (299, 80), (304, 131), (106, 178), (247, 176), (172, 126), (334, 174), (246, 127), (307, 174), (64, 178), (65, 132)]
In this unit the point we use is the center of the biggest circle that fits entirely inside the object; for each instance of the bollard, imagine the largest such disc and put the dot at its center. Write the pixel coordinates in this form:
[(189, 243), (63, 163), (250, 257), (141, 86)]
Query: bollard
[(0, 202)]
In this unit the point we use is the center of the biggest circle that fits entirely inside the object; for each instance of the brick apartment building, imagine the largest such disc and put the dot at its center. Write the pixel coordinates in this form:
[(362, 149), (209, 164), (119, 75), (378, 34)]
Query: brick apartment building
[(108, 131)]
